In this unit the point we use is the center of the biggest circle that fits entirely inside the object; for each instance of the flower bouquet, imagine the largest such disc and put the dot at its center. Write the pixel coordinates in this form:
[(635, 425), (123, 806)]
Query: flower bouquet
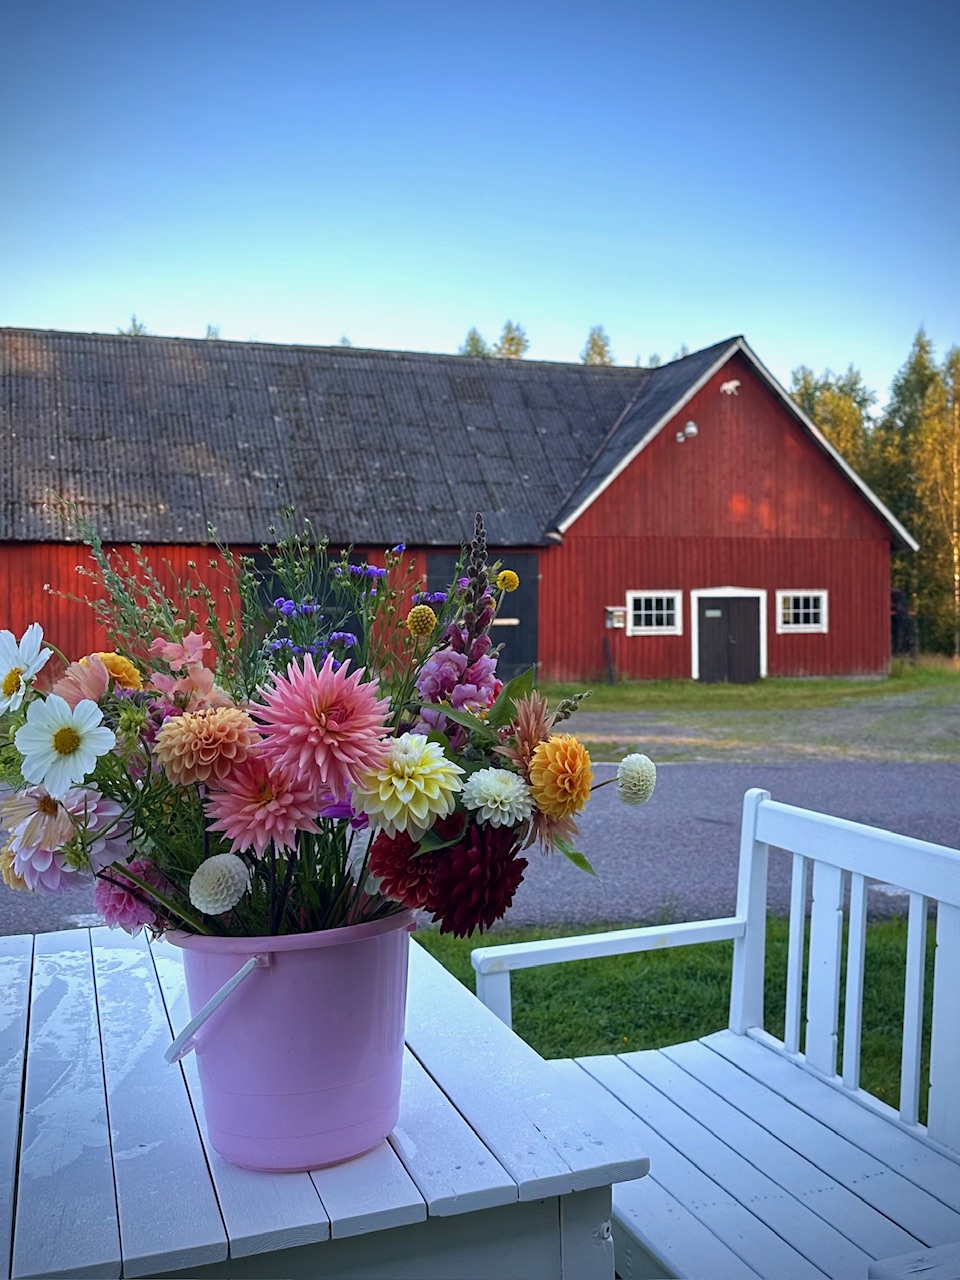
[(325, 746)]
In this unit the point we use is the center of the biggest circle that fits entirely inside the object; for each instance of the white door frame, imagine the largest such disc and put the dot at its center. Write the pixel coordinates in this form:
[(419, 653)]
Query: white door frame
[(757, 593)]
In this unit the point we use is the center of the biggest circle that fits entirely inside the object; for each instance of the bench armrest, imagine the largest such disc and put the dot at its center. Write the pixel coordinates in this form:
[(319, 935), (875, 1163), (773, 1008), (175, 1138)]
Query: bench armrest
[(939, 1263), (494, 964)]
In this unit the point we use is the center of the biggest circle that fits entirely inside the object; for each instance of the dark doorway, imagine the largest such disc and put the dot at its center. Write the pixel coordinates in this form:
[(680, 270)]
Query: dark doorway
[(516, 625), (729, 639)]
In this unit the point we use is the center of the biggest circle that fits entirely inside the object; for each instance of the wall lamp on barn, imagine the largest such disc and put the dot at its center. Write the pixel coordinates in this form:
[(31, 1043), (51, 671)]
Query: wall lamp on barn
[(689, 431)]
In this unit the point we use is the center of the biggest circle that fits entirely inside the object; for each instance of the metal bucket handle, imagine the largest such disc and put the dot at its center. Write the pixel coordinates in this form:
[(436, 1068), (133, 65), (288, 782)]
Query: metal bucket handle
[(184, 1043)]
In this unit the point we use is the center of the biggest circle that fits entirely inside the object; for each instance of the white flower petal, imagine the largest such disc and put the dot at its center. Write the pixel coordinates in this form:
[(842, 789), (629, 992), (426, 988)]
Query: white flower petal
[(86, 715)]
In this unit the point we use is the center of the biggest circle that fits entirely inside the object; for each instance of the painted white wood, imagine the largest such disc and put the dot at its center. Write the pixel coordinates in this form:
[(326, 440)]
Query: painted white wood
[(942, 1263), (262, 1212), (746, 986), (614, 942), (66, 1170), (169, 1217), (16, 958), (853, 989), (531, 1120), (795, 949), (823, 1221), (493, 990), (654, 1234), (453, 1170), (943, 1104), (374, 1192), (913, 1010), (753, 1079), (823, 972), (586, 1235), (715, 1204), (932, 869)]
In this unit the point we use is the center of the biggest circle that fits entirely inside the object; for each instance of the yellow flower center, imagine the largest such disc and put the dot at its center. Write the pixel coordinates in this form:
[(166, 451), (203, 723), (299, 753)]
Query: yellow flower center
[(11, 681), (48, 806), (66, 741)]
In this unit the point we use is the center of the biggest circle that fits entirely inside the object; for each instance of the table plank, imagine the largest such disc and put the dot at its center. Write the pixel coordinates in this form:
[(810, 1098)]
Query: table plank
[(374, 1192), (261, 1211), (16, 958), (453, 1170), (535, 1124), (169, 1218), (65, 1176)]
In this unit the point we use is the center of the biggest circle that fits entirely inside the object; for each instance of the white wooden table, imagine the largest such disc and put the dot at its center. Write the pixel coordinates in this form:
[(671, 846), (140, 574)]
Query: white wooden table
[(496, 1169)]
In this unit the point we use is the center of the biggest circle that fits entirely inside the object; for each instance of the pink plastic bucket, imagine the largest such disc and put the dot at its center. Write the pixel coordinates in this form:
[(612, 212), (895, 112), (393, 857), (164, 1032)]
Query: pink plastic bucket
[(300, 1066)]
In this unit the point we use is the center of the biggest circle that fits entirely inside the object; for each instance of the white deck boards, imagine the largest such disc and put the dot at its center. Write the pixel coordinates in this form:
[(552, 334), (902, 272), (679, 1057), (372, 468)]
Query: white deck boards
[(261, 1212), (531, 1119), (169, 1217), (66, 1171), (16, 959)]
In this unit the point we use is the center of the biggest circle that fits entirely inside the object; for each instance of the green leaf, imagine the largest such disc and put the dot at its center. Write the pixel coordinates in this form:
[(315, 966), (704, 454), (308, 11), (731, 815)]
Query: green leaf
[(433, 841), (502, 711), (578, 859), (478, 728)]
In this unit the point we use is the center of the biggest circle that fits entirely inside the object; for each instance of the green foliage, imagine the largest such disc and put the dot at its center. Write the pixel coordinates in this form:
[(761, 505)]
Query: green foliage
[(839, 404), (213, 333), (474, 345), (513, 343), (135, 329), (597, 348)]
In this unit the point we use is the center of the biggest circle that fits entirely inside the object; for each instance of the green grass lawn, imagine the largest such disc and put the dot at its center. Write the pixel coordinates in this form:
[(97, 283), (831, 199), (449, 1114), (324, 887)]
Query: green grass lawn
[(621, 1003), (764, 695)]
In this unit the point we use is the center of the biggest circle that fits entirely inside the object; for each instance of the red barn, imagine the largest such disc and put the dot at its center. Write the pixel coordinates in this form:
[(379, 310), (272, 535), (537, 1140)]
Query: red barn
[(694, 507)]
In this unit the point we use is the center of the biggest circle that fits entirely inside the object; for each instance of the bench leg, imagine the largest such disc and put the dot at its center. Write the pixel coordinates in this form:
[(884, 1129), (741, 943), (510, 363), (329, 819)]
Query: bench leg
[(586, 1238)]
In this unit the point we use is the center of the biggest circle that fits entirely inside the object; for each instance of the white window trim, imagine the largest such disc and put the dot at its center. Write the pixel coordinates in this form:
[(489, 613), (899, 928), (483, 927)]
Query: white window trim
[(676, 630), (757, 593), (804, 629)]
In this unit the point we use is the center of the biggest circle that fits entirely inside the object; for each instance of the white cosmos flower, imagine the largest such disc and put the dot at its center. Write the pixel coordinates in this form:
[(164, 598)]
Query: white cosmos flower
[(219, 883), (60, 745), (19, 663)]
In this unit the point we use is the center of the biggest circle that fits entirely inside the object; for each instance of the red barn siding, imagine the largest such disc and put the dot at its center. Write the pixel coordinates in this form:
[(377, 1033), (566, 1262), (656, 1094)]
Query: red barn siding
[(750, 502)]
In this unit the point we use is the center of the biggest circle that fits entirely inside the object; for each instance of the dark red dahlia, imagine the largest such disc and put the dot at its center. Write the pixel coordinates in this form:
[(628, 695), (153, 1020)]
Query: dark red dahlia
[(407, 876), (476, 879)]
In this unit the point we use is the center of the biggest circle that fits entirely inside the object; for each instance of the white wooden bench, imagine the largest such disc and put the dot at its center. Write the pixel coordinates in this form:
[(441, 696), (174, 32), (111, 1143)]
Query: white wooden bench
[(767, 1159)]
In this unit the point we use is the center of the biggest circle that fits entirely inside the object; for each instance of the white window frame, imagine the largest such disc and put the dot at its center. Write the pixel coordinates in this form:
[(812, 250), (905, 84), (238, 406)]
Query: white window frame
[(675, 630), (757, 593), (788, 629)]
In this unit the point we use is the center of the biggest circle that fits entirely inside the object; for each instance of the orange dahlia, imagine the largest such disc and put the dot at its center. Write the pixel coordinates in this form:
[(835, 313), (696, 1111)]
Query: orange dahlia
[(200, 745), (560, 776)]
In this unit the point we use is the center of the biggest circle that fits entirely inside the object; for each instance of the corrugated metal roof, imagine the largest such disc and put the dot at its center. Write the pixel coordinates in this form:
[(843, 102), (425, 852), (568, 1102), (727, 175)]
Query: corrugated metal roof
[(153, 438)]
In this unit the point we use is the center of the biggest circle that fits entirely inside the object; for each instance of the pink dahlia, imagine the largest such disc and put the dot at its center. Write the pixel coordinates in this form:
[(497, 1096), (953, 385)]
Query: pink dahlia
[(324, 724), (260, 801), (45, 870), (122, 903)]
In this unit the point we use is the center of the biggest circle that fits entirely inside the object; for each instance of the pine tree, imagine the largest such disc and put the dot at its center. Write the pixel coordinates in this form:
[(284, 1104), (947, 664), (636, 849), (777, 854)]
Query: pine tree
[(938, 494), (136, 329), (513, 342), (474, 345), (213, 333), (597, 350), (840, 406)]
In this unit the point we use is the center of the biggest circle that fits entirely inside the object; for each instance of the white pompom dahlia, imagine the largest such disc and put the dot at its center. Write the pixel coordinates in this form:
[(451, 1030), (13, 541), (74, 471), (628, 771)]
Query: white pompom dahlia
[(499, 796), (219, 883), (636, 778)]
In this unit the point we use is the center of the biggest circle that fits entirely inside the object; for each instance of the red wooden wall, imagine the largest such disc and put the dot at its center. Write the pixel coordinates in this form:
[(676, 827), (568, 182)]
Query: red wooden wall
[(750, 502)]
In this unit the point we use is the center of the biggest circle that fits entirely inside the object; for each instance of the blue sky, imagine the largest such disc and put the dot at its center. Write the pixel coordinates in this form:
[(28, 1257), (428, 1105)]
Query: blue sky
[(399, 172)]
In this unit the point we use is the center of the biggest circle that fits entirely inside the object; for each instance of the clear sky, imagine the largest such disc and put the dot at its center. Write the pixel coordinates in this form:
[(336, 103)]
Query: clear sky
[(397, 172)]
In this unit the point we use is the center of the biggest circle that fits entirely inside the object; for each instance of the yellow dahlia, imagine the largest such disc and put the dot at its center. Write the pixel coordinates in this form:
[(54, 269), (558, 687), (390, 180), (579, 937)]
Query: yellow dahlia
[(560, 776), (421, 620), (203, 745), (7, 873), (124, 673), (507, 580), (415, 785)]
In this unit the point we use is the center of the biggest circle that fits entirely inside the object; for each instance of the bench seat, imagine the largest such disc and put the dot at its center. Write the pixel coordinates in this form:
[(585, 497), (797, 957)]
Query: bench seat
[(760, 1169)]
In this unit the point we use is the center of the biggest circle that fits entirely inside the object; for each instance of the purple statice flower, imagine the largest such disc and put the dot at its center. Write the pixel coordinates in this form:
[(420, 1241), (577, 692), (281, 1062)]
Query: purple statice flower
[(287, 607), (371, 571), (440, 675), (344, 637), (399, 549), (429, 597), (357, 570)]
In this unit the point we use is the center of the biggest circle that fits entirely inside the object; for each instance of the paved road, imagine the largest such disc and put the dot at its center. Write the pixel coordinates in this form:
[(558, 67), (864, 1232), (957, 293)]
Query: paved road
[(675, 858)]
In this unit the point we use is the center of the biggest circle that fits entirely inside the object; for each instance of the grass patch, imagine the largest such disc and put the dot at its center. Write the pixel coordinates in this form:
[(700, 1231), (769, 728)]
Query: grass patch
[(618, 1004), (765, 695)]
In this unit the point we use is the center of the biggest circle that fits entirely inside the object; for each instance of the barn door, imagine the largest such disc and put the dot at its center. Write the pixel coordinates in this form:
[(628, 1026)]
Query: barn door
[(729, 639), (516, 625)]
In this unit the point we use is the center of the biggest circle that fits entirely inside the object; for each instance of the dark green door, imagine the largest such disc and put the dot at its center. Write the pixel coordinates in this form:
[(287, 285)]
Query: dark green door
[(729, 639)]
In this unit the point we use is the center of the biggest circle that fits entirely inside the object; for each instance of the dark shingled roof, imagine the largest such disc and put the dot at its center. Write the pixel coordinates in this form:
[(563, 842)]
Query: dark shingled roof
[(153, 438)]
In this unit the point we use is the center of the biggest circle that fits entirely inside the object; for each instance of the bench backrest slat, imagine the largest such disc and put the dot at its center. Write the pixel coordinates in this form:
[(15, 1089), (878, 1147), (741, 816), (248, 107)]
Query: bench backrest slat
[(795, 948), (913, 1010), (943, 1118), (823, 975), (853, 990)]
